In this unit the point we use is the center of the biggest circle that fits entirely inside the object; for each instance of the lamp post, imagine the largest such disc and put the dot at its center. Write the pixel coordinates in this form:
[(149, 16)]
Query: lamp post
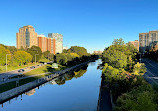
[(6, 60), (140, 57), (35, 58)]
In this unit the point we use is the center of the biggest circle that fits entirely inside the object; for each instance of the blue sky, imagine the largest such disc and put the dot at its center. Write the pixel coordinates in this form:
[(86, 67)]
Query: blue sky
[(93, 24)]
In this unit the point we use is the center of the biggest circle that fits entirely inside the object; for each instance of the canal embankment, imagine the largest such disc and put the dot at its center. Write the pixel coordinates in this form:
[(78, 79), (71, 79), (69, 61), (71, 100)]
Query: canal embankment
[(105, 98)]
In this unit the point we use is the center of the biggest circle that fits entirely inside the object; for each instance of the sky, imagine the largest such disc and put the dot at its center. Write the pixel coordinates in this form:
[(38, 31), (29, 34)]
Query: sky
[(92, 24)]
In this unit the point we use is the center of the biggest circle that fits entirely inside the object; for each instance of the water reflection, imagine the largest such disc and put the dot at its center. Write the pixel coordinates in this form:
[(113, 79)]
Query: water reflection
[(31, 92), (68, 76)]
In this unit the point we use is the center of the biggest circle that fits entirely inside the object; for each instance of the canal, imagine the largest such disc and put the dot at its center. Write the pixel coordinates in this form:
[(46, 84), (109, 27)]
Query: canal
[(74, 91)]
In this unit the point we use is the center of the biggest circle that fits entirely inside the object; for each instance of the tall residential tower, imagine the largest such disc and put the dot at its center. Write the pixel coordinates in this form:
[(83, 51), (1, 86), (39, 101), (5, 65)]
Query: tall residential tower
[(58, 41), (146, 40), (26, 37)]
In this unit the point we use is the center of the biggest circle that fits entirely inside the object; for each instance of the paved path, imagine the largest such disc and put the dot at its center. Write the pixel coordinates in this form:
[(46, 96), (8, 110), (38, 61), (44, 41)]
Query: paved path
[(152, 71)]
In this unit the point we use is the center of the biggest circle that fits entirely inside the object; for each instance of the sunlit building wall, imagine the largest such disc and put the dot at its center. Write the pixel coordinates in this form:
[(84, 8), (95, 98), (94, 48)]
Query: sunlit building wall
[(58, 41), (147, 39), (26, 37)]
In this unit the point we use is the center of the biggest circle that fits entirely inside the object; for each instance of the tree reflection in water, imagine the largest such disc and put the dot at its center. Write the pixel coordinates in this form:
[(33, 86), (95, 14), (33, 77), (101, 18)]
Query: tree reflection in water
[(68, 76)]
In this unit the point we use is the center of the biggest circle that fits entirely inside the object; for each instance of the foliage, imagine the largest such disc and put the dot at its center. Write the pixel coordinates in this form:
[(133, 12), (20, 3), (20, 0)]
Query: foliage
[(35, 51), (48, 55), (22, 57), (120, 55), (12, 49), (115, 58), (61, 59), (140, 99), (120, 71), (3, 52), (139, 69), (78, 50)]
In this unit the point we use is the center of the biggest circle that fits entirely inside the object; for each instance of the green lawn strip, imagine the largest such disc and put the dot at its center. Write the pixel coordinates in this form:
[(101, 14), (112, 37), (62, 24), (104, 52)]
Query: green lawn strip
[(44, 69)]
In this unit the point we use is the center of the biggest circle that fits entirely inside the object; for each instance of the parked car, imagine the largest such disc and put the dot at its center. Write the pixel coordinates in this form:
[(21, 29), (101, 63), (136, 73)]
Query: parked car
[(21, 70), (32, 67)]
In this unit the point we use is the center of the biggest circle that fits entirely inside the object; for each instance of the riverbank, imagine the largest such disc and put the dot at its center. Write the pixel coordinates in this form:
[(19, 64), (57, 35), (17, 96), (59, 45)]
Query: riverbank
[(104, 101)]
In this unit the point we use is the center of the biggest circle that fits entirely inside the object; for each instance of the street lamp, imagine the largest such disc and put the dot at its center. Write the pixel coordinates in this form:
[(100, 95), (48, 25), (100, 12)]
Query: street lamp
[(6, 60), (35, 58)]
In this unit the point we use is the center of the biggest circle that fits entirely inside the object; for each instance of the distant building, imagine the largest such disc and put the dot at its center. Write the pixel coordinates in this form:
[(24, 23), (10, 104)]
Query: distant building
[(135, 43), (66, 48), (58, 41), (26, 37), (98, 52), (147, 39), (46, 43)]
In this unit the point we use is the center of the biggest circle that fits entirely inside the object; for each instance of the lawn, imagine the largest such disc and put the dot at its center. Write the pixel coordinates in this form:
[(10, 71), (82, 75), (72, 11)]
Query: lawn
[(44, 69)]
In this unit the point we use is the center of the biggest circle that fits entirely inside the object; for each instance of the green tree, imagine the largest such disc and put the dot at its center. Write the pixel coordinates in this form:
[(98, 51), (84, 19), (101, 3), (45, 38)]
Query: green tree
[(139, 69), (46, 54), (61, 59), (3, 52), (115, 58), (22, 57), (35, 51), (78, 50), (12, 49)]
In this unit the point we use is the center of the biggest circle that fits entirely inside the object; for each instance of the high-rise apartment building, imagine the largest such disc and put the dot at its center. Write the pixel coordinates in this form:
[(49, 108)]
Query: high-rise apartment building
[(58, 41), (147, 39), (135, 44), (26, 37), (46, 44)]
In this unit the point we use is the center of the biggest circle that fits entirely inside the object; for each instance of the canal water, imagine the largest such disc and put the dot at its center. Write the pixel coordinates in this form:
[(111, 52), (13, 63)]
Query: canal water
[(75, 91)]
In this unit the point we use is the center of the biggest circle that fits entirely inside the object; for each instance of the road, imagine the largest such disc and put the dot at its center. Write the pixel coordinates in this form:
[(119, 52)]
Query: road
[(5, 76), (152, 71)]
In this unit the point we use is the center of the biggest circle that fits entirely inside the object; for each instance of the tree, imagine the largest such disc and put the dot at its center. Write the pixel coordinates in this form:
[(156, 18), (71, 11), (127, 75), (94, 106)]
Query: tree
[(115, 58), (35, 51), (3, 52), (61, 59), (12, 49), (46, 54), (139, 69), (139, 99), (22, 57), (78, 50), (118, 42)]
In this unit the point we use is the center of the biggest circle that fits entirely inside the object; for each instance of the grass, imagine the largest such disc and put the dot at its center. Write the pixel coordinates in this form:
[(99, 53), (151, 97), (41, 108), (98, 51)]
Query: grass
[(44, 69), (43, 60)]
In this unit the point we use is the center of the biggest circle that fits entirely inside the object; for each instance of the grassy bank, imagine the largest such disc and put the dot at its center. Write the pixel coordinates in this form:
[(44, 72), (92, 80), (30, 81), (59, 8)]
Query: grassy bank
[(44, 69)]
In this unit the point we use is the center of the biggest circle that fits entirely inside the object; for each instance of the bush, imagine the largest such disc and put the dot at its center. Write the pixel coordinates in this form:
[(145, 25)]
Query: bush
[(140, 99)]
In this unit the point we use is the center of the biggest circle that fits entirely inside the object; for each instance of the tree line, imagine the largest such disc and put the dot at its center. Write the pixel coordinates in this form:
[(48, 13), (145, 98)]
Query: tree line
[(18, 57), (124, 77)]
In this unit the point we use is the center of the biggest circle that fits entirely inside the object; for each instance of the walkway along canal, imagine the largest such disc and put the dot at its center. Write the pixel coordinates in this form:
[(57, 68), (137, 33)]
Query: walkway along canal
[(74, 91)]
